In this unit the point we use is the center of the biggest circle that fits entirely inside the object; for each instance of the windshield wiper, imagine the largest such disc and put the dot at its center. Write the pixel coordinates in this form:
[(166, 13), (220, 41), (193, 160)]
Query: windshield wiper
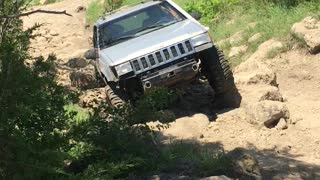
[(120, 39), (156, 26)]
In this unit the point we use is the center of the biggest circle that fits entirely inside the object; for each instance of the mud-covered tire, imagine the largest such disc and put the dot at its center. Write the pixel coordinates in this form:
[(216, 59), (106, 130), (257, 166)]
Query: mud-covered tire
[(115, 96), (218, 71)]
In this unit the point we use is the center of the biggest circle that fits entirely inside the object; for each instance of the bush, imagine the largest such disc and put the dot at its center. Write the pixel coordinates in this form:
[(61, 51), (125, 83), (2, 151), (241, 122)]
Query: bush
[(209, 8)]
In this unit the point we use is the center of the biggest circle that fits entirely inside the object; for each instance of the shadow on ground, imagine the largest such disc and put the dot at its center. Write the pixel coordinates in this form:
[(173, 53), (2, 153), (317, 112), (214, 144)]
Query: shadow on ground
[(197, 98), (273, 163)]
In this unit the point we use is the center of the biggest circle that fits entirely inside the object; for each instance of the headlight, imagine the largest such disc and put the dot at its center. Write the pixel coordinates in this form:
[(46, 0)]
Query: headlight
[(123, 68), (200, 39)]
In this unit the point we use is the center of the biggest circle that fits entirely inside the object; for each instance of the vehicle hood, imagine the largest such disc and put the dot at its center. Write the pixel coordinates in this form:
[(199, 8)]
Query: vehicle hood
[(151, 42)]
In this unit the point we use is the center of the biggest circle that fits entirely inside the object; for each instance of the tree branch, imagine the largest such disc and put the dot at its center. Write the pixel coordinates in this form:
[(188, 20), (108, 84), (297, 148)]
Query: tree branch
[(33, 12)]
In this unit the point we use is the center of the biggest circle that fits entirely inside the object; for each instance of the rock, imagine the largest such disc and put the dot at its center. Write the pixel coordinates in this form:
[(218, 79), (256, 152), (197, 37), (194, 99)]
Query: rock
[(93, 98), (254, 38), (282, 124), (245, 165), (295, 120), (84, 78), (216, 178), (252, 25), (231, 22), (90, 54), (268, 113), (258, 76), (87, 26), (255, 70), (236, 38), (53, 33), (44, 2), (80, 9), (187, 127), (309, 30), (77, 63), (271, 93), (222, 42), (235, 51), (180, 177), (291, 176)]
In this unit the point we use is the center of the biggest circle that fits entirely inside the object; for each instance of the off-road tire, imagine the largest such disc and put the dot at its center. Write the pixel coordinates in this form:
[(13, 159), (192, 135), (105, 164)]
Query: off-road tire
[(115, 96), (218, 71)]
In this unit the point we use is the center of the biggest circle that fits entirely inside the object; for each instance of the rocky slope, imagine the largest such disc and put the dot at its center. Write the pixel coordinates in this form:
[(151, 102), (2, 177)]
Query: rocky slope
[(278, 121)]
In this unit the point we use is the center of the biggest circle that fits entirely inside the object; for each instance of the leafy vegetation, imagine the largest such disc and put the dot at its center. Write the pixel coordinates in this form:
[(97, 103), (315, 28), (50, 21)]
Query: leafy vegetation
[(271, 18), (37, 2)]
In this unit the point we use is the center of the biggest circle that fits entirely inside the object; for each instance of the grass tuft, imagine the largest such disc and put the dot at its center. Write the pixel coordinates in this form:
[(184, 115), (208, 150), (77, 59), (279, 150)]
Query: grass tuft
[(94, 11)]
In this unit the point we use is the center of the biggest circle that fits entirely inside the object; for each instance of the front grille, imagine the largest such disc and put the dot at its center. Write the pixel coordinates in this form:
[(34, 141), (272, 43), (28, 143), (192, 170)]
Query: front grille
[(162, 56)]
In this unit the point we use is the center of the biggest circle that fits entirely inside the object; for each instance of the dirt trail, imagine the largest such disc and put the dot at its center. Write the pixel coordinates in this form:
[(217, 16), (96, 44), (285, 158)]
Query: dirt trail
[(293, 153), (63, 35)]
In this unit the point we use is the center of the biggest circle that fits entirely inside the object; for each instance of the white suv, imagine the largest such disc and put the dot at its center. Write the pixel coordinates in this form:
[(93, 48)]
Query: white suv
[(157, 43)]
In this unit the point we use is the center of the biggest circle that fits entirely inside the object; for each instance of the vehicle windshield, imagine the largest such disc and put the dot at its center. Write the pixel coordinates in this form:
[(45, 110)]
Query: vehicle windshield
[(138, 23)]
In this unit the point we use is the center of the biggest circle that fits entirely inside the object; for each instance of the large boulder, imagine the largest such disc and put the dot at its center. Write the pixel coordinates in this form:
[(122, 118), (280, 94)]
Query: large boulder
[(85, 78), (268, 113), (255, 70), (187, 127), (77, 63), (236, 51), (257, 93), (309, 30), (271, 93), (236, 38), (254, 38)]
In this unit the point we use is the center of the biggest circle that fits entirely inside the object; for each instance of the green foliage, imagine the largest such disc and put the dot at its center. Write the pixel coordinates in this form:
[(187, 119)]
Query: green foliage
[(32, 115), (273, 19), (94, 11), (37, 2), (111, 5), (209, 8)]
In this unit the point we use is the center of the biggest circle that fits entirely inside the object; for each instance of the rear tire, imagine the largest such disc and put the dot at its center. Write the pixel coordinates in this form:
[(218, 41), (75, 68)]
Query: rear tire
[(219, 74)]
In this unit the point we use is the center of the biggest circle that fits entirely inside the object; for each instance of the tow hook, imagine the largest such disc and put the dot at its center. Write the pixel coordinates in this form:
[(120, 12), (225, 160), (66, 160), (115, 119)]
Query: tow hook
[(171, 74)]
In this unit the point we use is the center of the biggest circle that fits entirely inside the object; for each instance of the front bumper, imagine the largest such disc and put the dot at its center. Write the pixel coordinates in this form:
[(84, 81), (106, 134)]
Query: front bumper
[(181, 72)]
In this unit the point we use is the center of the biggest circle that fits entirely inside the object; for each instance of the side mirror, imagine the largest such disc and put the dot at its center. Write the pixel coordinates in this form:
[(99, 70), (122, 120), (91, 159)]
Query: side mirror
[(196, 15), (91, 54)]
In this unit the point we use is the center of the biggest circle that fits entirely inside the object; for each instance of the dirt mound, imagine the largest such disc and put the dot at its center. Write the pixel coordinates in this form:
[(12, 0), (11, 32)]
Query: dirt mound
[(63, 35)]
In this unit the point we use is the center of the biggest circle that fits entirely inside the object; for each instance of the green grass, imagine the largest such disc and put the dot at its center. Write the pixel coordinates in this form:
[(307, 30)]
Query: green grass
[(94, 11), (271, 21), (37, 2), (78, 114)]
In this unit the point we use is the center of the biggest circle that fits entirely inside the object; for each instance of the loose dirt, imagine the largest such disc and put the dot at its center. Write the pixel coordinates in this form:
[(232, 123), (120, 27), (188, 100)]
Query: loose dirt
[(293, 153)]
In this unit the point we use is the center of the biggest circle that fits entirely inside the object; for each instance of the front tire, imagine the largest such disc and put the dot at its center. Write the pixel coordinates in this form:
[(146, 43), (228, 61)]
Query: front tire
[(219, 74)]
